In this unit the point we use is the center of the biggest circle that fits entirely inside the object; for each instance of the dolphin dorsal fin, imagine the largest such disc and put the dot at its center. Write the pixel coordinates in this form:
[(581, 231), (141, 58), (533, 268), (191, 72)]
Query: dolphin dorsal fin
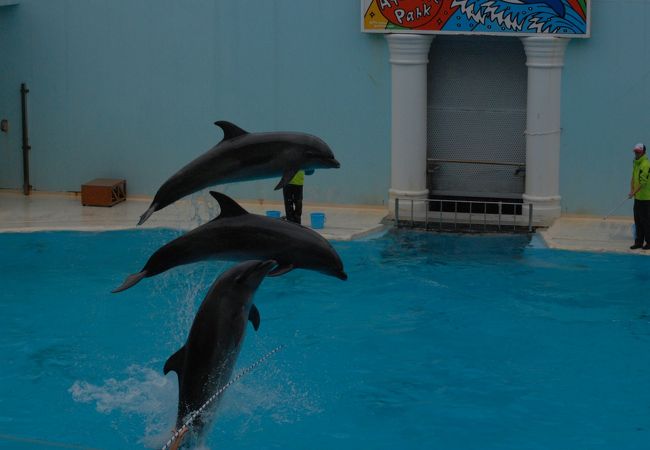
[(229, 207), (230, 130), (175, 362)]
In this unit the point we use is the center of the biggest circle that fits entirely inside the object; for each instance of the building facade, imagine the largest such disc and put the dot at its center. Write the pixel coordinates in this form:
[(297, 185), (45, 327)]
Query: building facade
[(131, 89)]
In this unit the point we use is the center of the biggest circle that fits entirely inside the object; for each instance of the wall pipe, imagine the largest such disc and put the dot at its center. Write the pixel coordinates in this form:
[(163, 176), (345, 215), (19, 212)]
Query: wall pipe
[(26, 147)]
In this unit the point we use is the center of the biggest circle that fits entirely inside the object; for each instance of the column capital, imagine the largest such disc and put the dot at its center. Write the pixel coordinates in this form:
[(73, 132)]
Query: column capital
[(409, 48), (544, 52)]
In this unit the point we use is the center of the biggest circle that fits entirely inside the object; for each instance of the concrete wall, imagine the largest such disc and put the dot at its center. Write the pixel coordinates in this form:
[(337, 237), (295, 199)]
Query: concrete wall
[(123, 88)]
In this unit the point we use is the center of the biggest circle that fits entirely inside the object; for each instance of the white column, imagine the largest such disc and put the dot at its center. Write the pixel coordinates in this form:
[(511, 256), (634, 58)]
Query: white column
[(409, 56), (545, 59)]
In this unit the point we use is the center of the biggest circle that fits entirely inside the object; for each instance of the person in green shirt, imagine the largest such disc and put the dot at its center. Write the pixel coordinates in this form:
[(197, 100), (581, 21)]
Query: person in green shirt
[(640, 190), (292, 193)]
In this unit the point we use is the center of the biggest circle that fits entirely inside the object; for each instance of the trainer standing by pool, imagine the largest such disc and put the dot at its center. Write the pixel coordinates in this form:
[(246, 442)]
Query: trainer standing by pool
[(292, 193), (640, 190)]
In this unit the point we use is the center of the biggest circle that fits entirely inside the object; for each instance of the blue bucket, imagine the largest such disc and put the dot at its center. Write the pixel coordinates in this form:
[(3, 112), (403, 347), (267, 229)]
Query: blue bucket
[(317, 220), (273, 213)]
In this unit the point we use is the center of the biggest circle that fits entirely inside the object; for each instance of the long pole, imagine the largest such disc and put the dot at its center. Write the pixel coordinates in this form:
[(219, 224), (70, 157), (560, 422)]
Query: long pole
[(615, 208), (26, 147)]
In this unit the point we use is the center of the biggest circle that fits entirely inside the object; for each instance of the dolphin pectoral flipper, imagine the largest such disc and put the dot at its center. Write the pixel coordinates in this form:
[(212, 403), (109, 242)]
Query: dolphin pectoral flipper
[(254, 317), (175, 362), (131, 280), (228, 207), (230, 130), (280, 270), (286, 177)]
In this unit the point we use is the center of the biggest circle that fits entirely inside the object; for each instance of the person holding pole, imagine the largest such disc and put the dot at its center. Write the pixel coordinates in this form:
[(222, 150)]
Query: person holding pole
[(640, 190)]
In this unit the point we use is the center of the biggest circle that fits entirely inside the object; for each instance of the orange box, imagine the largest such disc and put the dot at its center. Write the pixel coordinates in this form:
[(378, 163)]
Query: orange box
[(103, 192)]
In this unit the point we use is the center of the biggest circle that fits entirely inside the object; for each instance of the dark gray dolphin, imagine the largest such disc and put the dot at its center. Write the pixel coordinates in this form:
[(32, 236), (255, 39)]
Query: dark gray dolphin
[(237, 235), (206, 361), (245, 156)]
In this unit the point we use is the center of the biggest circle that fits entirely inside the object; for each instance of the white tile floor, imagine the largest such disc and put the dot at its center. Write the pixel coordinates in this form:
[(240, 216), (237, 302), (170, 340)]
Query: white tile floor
[(59, 211), (592, 234)]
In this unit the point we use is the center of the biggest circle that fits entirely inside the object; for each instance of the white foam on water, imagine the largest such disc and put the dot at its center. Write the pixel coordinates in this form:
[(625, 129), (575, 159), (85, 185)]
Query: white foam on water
[(143, 391), (266, 392)]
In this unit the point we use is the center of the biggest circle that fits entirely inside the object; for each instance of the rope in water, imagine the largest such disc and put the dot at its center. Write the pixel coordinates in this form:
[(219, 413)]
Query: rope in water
[(214, 396)]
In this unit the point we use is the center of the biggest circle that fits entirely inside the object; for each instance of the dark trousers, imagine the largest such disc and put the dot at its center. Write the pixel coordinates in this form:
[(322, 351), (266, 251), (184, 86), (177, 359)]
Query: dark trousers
[(293, 202), (642, 221)]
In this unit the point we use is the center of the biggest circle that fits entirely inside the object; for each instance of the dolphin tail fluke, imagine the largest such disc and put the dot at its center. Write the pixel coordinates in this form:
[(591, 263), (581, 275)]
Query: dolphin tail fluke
[(147, 213), (131, 280)]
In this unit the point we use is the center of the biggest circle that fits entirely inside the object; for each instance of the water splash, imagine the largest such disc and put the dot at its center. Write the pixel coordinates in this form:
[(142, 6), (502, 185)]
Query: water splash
[(214, 397), (272, 394), (144, 392), (188, 285), (202, 207)]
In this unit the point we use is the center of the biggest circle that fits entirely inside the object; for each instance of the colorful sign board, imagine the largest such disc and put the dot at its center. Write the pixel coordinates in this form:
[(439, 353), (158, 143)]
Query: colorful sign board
[(568, 18)]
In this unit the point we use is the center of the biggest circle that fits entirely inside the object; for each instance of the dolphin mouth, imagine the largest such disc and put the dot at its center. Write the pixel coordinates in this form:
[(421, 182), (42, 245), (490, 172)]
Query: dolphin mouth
[(266, 266), (335, 164), (257, 272)]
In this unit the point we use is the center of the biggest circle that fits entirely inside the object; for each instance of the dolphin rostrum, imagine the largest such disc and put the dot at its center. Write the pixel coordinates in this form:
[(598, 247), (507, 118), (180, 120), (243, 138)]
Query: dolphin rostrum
[(245, 156), (237, 235), (206, 361)]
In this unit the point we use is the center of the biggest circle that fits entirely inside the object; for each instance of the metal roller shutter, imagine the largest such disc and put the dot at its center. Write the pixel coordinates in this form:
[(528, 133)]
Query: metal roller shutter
[(476, 117)]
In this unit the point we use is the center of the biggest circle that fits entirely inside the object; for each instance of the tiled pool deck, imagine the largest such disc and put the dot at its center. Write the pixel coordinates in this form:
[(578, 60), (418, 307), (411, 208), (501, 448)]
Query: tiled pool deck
[(61, 211), (583, 233)]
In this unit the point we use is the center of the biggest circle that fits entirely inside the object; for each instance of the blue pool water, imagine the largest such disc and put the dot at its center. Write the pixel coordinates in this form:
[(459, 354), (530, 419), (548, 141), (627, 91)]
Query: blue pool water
[(434, 342)]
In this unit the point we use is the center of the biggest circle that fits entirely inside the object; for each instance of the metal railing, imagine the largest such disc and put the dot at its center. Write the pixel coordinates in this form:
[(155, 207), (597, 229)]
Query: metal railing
[(500, 219)]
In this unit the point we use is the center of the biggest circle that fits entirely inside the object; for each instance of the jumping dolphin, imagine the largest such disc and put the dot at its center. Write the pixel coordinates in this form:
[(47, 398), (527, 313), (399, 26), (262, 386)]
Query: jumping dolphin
[(205, 363), (245, 156), (237, 235)]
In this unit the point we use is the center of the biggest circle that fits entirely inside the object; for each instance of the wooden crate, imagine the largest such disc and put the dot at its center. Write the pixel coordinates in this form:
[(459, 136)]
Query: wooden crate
[(103, 192)]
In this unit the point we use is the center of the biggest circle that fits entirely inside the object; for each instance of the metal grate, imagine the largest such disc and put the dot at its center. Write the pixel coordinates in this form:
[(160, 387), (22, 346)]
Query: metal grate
[(464, 215)]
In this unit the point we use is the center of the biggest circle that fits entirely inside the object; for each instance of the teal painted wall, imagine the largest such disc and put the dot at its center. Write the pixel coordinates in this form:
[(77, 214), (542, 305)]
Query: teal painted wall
[(605, 107), (131, 89)]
